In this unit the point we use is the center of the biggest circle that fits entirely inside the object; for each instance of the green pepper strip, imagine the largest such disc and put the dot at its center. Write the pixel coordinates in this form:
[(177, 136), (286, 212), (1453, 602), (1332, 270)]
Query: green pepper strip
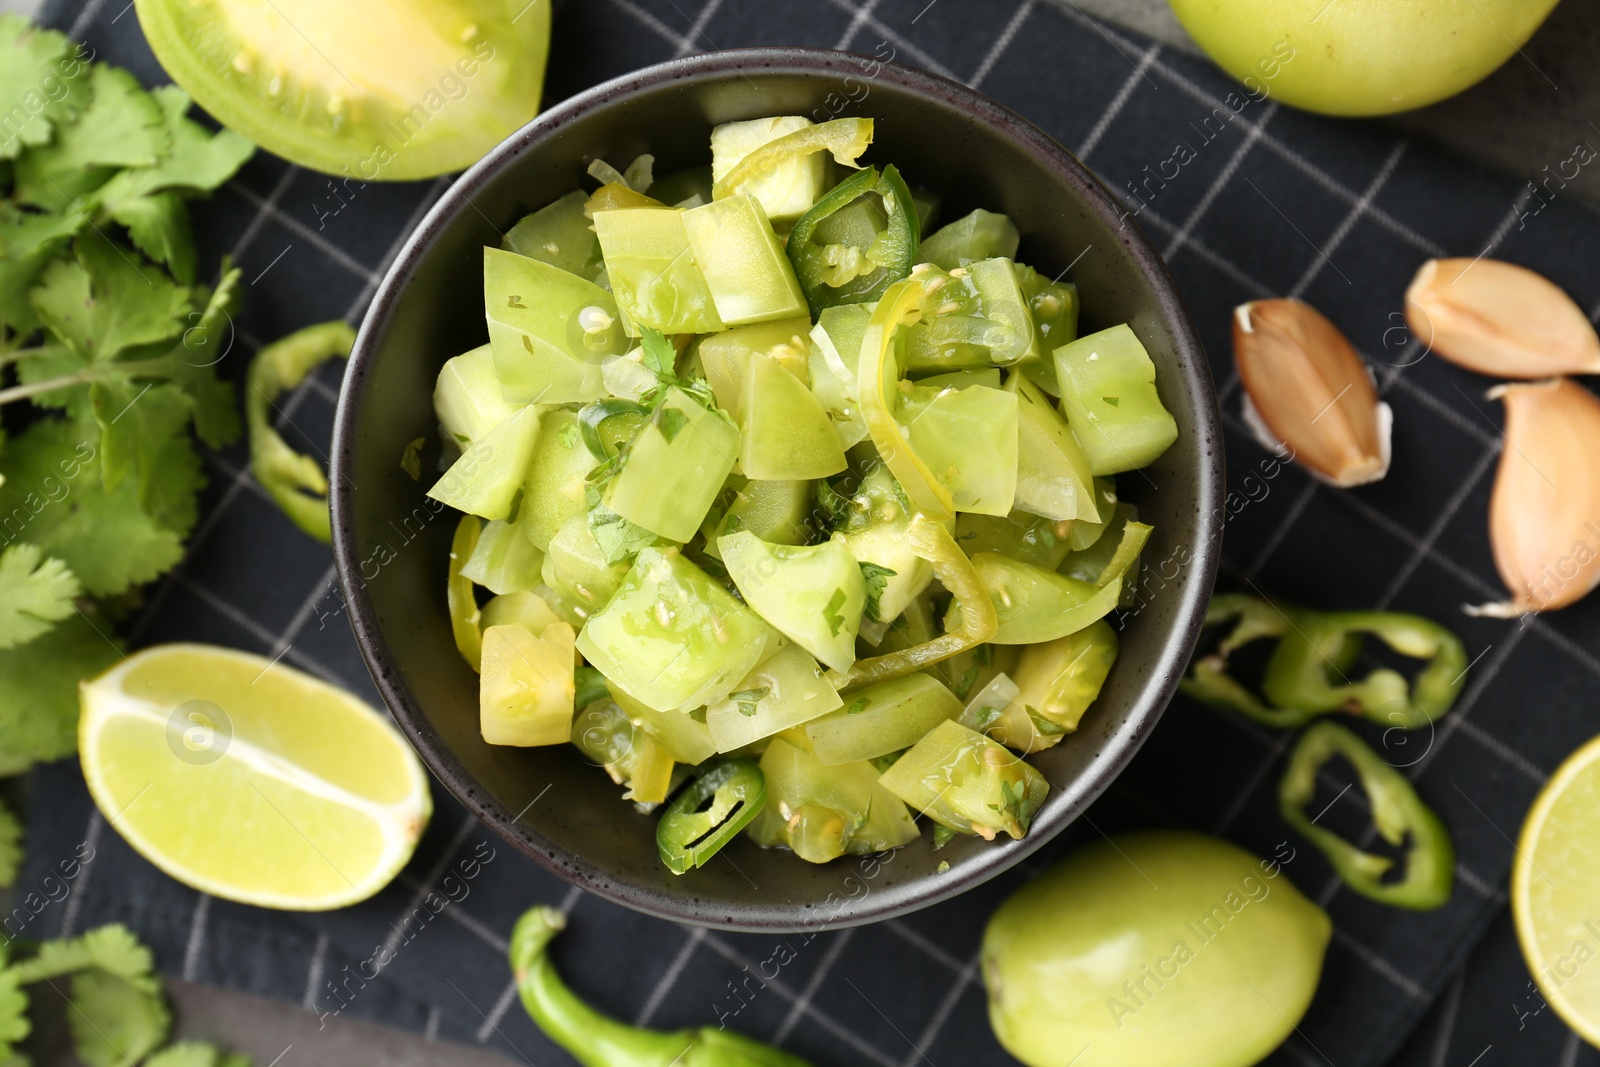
[(710, 811), (596, 1040), (285, 474), (845, 138), (878, 375), (466, 621), (978, 621), (894, 251), (602, 436), (1397, 812), (1312, 646)]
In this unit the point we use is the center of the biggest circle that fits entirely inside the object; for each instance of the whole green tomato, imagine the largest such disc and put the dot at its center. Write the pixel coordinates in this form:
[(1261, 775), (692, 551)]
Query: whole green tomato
[(1360, 57), (1153, 949)]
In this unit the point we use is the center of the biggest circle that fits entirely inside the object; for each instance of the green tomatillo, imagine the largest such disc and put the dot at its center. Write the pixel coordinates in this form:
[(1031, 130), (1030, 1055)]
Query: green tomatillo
[(1153, 949)]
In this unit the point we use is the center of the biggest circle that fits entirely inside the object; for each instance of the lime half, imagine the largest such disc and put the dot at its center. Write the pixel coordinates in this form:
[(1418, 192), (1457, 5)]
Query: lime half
[(1555, 891), (250, 780)]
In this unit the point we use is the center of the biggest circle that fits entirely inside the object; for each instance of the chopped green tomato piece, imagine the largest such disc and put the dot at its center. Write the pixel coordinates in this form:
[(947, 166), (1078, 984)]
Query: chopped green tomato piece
[(487, 477), (786, 690), (466, 398), (824, 812), (777, 512), (1108, 393), (627, 376), (788, 190), (685, 738), (980, 235), (1054, 306), (603, 732), (914, 627), (785, 433), (554, 490), (710, 811), (995, 712), (504, 561), (814, 594), (968, 439), (846, 328), (675, 468), (874, 529), (1053, 478), (879, 719), (524, 609), (466, 622), (977, 622), (650, 772), (577, 568), (858, 240), (725, 357), (671, 637), (1019, 535), (617, 196), (963, 780), (653, 271), (1087, 565), (845, 139), (525, 693), (750, 278), (1035, 605), (879, 383), (833, 379), (550, 329), (559, 235), (1086, 532), (1059, 679), (972, 317)]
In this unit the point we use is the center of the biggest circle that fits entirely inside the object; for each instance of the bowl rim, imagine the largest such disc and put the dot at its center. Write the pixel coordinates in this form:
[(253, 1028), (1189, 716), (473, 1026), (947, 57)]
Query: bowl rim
[(1121, 745)]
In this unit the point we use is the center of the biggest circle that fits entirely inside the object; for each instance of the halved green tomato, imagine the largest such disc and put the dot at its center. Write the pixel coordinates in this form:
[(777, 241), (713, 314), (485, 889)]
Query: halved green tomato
[(376, 91)]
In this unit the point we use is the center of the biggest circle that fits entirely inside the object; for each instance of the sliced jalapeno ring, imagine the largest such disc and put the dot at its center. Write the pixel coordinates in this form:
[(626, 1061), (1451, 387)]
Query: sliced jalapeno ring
[(1399, 815), (856, 241), (710, 810), (606, 425)]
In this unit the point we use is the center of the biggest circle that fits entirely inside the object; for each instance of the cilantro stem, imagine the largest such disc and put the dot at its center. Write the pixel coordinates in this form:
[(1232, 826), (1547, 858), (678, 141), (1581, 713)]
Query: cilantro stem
[(17, 355), (160, 367)]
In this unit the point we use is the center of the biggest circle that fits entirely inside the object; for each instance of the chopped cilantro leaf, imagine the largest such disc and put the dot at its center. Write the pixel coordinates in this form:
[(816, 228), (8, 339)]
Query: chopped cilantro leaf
[(35, 593), (830, 614), (411, 458), (659, 355), (1044, 726), (942, 835), (877, 579), (858, 706), (670, 421), (964, 686), (747, 699)]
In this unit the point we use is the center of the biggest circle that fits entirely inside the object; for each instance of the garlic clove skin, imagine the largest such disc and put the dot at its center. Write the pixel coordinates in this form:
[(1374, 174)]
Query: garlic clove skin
[(1500, 319), (1307, 390), (1544, 513)]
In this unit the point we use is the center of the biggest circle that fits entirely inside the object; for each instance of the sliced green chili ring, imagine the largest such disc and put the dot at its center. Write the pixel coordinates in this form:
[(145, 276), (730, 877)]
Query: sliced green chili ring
[(606, 425), (1298, 674), (840, 236), (710, 811), (1398, 813), (1307, 675), (589, 685)]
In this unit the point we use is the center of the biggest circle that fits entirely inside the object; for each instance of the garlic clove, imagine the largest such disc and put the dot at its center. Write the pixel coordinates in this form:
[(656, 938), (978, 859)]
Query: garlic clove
[(1500, 319), (1307, 390), (1544, 514)]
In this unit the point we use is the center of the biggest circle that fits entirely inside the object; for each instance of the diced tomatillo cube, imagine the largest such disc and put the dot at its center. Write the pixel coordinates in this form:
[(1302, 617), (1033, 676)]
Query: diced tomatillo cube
[(963, 780), (1108, 394), (882, 718), (550, 330), (786, 690), (750, 278), (968, 439), (675, 468), (785, 433), (814, 594), (526, 688), (725, 357), (555, 488), (653, 272), (467, 400), (790, 190), (1053, 478), (824, 812), (485, 480), (671, 637), (559, 235)]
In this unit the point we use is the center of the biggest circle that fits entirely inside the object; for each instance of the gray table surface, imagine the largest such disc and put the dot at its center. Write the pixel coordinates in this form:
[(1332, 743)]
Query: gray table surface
[(1530, 113)]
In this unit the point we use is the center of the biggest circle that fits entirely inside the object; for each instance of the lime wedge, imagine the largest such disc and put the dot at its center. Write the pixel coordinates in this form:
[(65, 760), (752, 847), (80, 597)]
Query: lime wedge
[(250, 780), (1555, 891)]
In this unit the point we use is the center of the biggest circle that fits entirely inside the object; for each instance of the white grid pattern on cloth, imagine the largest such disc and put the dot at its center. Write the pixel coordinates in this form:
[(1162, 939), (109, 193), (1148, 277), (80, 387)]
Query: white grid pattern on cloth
[(863, 16)]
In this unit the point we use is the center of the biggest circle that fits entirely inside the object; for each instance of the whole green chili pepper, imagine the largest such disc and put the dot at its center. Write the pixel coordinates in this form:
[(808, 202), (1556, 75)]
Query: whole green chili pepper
[(710, 811), (856, 241), (1398, 813), (1307, 674), (596, 1040)]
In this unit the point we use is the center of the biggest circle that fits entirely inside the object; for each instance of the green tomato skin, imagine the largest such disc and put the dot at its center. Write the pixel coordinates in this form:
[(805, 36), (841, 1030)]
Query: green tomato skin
[(1143, 951), (1360, 57)]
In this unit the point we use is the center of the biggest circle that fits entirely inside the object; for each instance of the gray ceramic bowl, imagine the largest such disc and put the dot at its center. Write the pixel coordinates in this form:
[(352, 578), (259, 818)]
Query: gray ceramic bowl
[(391, 545)]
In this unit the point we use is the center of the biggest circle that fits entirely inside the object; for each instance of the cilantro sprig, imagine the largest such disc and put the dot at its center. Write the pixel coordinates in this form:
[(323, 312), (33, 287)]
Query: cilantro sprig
[(108, 364)]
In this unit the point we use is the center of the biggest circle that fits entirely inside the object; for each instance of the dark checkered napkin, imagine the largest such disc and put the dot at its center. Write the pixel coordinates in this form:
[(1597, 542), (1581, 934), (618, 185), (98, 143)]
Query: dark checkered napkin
[(1245, 199)]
